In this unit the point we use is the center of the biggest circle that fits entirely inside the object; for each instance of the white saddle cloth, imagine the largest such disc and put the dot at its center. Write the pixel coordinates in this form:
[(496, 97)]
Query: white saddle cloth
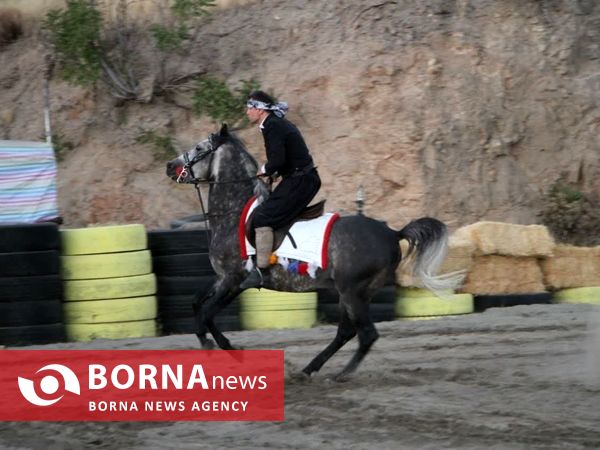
[(309, 243)]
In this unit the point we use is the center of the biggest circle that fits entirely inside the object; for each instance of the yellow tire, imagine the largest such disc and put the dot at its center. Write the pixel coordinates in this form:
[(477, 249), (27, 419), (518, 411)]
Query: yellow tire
[(267, 309), (108, 265), (114, 310), (110, 239), (413, 292), (414, 319), (265, 299), (261, 320), (434, 306), (590, 295), (110, 288), (118, 330)]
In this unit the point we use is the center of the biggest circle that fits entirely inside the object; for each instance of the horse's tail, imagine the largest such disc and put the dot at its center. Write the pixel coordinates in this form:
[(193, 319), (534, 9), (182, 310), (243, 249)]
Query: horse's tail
[(428, 243)]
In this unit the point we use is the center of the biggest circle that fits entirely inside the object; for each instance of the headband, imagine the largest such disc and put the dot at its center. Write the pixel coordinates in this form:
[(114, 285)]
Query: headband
[(279, 109)]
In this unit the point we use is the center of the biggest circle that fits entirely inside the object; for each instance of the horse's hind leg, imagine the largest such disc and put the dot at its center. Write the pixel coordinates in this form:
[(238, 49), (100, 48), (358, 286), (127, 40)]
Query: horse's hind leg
[(358, 310), (345, 332)]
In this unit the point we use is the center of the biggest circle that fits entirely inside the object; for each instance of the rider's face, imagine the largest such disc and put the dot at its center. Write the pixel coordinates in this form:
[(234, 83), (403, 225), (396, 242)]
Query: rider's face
[(254, 114)]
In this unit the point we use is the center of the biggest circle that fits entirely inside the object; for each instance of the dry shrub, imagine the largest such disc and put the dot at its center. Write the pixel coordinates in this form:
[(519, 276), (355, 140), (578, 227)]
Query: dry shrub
[(11, 25), (572, 216)]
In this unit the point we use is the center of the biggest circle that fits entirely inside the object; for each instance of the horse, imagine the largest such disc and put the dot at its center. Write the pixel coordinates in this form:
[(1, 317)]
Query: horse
[(363, 253)]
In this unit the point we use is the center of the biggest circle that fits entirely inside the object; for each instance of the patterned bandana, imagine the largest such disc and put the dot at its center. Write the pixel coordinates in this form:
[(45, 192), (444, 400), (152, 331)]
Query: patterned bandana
[(279, 109)]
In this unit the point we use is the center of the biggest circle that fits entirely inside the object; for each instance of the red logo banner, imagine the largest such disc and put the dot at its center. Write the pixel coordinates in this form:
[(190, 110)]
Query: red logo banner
[(141, 385)]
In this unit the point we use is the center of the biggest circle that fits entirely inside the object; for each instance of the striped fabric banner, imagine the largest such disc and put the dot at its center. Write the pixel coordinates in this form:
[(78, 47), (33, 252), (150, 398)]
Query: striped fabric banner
[(27, 182)]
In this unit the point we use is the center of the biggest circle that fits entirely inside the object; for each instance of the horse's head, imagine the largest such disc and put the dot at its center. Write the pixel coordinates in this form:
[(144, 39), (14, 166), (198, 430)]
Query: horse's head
[(195, 164)]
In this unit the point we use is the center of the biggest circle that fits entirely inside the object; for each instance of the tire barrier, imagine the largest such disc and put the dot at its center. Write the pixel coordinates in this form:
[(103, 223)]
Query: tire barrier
[(32, 263), (109, 239), (590, 295), (177, 242), (483, 302), (414, 302), (30, 287), (182, 267), (196, 221), (108, 283), (189, 264), (26, 237), (107, 265), (177, 315), (115, 330), (118, 287), (267, 309), (109, 311), (382, 307)]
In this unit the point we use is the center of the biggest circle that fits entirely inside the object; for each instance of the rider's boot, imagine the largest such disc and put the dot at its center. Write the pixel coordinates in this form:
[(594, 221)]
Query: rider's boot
[(264, 247)]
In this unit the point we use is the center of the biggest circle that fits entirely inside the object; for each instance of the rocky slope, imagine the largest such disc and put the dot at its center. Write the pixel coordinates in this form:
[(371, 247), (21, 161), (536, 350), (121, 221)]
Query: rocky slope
[(464, 110)]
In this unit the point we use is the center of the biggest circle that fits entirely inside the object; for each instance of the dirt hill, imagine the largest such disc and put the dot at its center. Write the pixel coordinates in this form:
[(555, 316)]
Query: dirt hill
[(464, 110)]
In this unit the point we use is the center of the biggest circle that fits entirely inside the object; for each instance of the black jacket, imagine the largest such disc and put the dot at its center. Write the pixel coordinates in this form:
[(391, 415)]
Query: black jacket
[(285, 146)]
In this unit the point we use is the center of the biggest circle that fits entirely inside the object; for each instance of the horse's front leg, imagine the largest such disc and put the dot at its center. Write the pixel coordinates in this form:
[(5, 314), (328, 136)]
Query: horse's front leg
[(223, 294), (199, 300), (210, 311)]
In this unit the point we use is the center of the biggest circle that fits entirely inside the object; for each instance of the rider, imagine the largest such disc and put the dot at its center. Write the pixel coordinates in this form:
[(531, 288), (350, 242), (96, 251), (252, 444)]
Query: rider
[(287, 157)]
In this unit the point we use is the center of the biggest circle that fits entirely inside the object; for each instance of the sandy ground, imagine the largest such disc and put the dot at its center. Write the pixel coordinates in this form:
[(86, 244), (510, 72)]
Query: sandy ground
[(512, 378)]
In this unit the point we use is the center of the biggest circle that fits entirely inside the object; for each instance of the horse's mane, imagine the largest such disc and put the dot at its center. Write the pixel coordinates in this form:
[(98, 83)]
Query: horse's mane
[(261, 189)]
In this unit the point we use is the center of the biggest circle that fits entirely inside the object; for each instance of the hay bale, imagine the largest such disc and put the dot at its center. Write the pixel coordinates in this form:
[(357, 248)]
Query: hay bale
[(496, 274), (572, 267), (460, 255), (498, 238)]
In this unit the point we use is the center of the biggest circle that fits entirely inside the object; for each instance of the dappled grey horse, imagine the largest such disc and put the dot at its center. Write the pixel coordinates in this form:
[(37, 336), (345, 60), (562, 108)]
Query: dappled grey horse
[(363, 252)]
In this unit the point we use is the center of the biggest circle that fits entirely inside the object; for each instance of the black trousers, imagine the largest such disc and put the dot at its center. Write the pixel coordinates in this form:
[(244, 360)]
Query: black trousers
[(287, 200)]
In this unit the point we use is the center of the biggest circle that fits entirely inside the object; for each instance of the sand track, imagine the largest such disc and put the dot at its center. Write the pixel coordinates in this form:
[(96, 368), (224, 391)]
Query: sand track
[(512, 378)]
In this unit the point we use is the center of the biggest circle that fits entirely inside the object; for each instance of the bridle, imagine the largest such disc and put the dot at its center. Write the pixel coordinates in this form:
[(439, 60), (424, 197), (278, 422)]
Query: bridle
[(199, 156), (187, 167), (188, 163)]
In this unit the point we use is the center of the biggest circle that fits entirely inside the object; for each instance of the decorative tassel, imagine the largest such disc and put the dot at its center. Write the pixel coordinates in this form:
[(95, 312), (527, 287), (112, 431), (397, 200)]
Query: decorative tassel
[(273, 259), (302, 268), (284, 262), (293, 266), (312, 269), (289, 265)]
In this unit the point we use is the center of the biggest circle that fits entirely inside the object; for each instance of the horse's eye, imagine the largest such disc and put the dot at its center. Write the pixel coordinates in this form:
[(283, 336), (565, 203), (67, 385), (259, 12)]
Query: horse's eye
[(198, 148)]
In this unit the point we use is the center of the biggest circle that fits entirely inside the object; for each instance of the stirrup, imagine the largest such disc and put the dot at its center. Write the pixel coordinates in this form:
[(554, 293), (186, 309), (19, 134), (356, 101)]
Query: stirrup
[(254, 279)]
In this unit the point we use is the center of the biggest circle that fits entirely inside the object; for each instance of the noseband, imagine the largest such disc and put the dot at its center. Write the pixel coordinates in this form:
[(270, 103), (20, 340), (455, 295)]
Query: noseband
[(187, 167)]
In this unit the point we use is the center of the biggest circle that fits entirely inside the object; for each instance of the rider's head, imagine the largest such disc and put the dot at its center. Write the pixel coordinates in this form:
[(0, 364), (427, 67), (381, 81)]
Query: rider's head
[(261, 96), (258, 106)]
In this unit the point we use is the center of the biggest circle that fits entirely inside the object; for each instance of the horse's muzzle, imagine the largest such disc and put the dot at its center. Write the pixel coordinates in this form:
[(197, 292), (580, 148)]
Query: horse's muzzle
[(173, 170)]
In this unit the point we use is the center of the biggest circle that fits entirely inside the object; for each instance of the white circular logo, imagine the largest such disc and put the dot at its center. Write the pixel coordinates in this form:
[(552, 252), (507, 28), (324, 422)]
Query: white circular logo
[(49, 385)]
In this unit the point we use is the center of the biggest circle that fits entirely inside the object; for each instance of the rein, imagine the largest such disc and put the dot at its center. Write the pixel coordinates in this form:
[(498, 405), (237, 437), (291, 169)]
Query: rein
[(196, 182), (188, 171)]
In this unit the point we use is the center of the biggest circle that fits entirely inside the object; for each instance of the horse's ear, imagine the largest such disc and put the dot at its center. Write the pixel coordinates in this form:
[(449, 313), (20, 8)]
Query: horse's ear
[(224, 131)]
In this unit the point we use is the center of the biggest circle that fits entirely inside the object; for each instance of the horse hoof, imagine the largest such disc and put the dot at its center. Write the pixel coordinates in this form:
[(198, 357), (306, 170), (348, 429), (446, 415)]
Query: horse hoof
[(300, 377), (341, 377), (208, 345)]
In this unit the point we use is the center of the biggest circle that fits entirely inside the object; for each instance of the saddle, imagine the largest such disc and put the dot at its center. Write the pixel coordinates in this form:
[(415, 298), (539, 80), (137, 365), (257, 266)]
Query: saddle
[(308, 213)]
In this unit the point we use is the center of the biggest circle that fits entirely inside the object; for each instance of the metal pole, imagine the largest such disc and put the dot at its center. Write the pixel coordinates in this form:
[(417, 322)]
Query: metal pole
[(47, 75), (360, 200)]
